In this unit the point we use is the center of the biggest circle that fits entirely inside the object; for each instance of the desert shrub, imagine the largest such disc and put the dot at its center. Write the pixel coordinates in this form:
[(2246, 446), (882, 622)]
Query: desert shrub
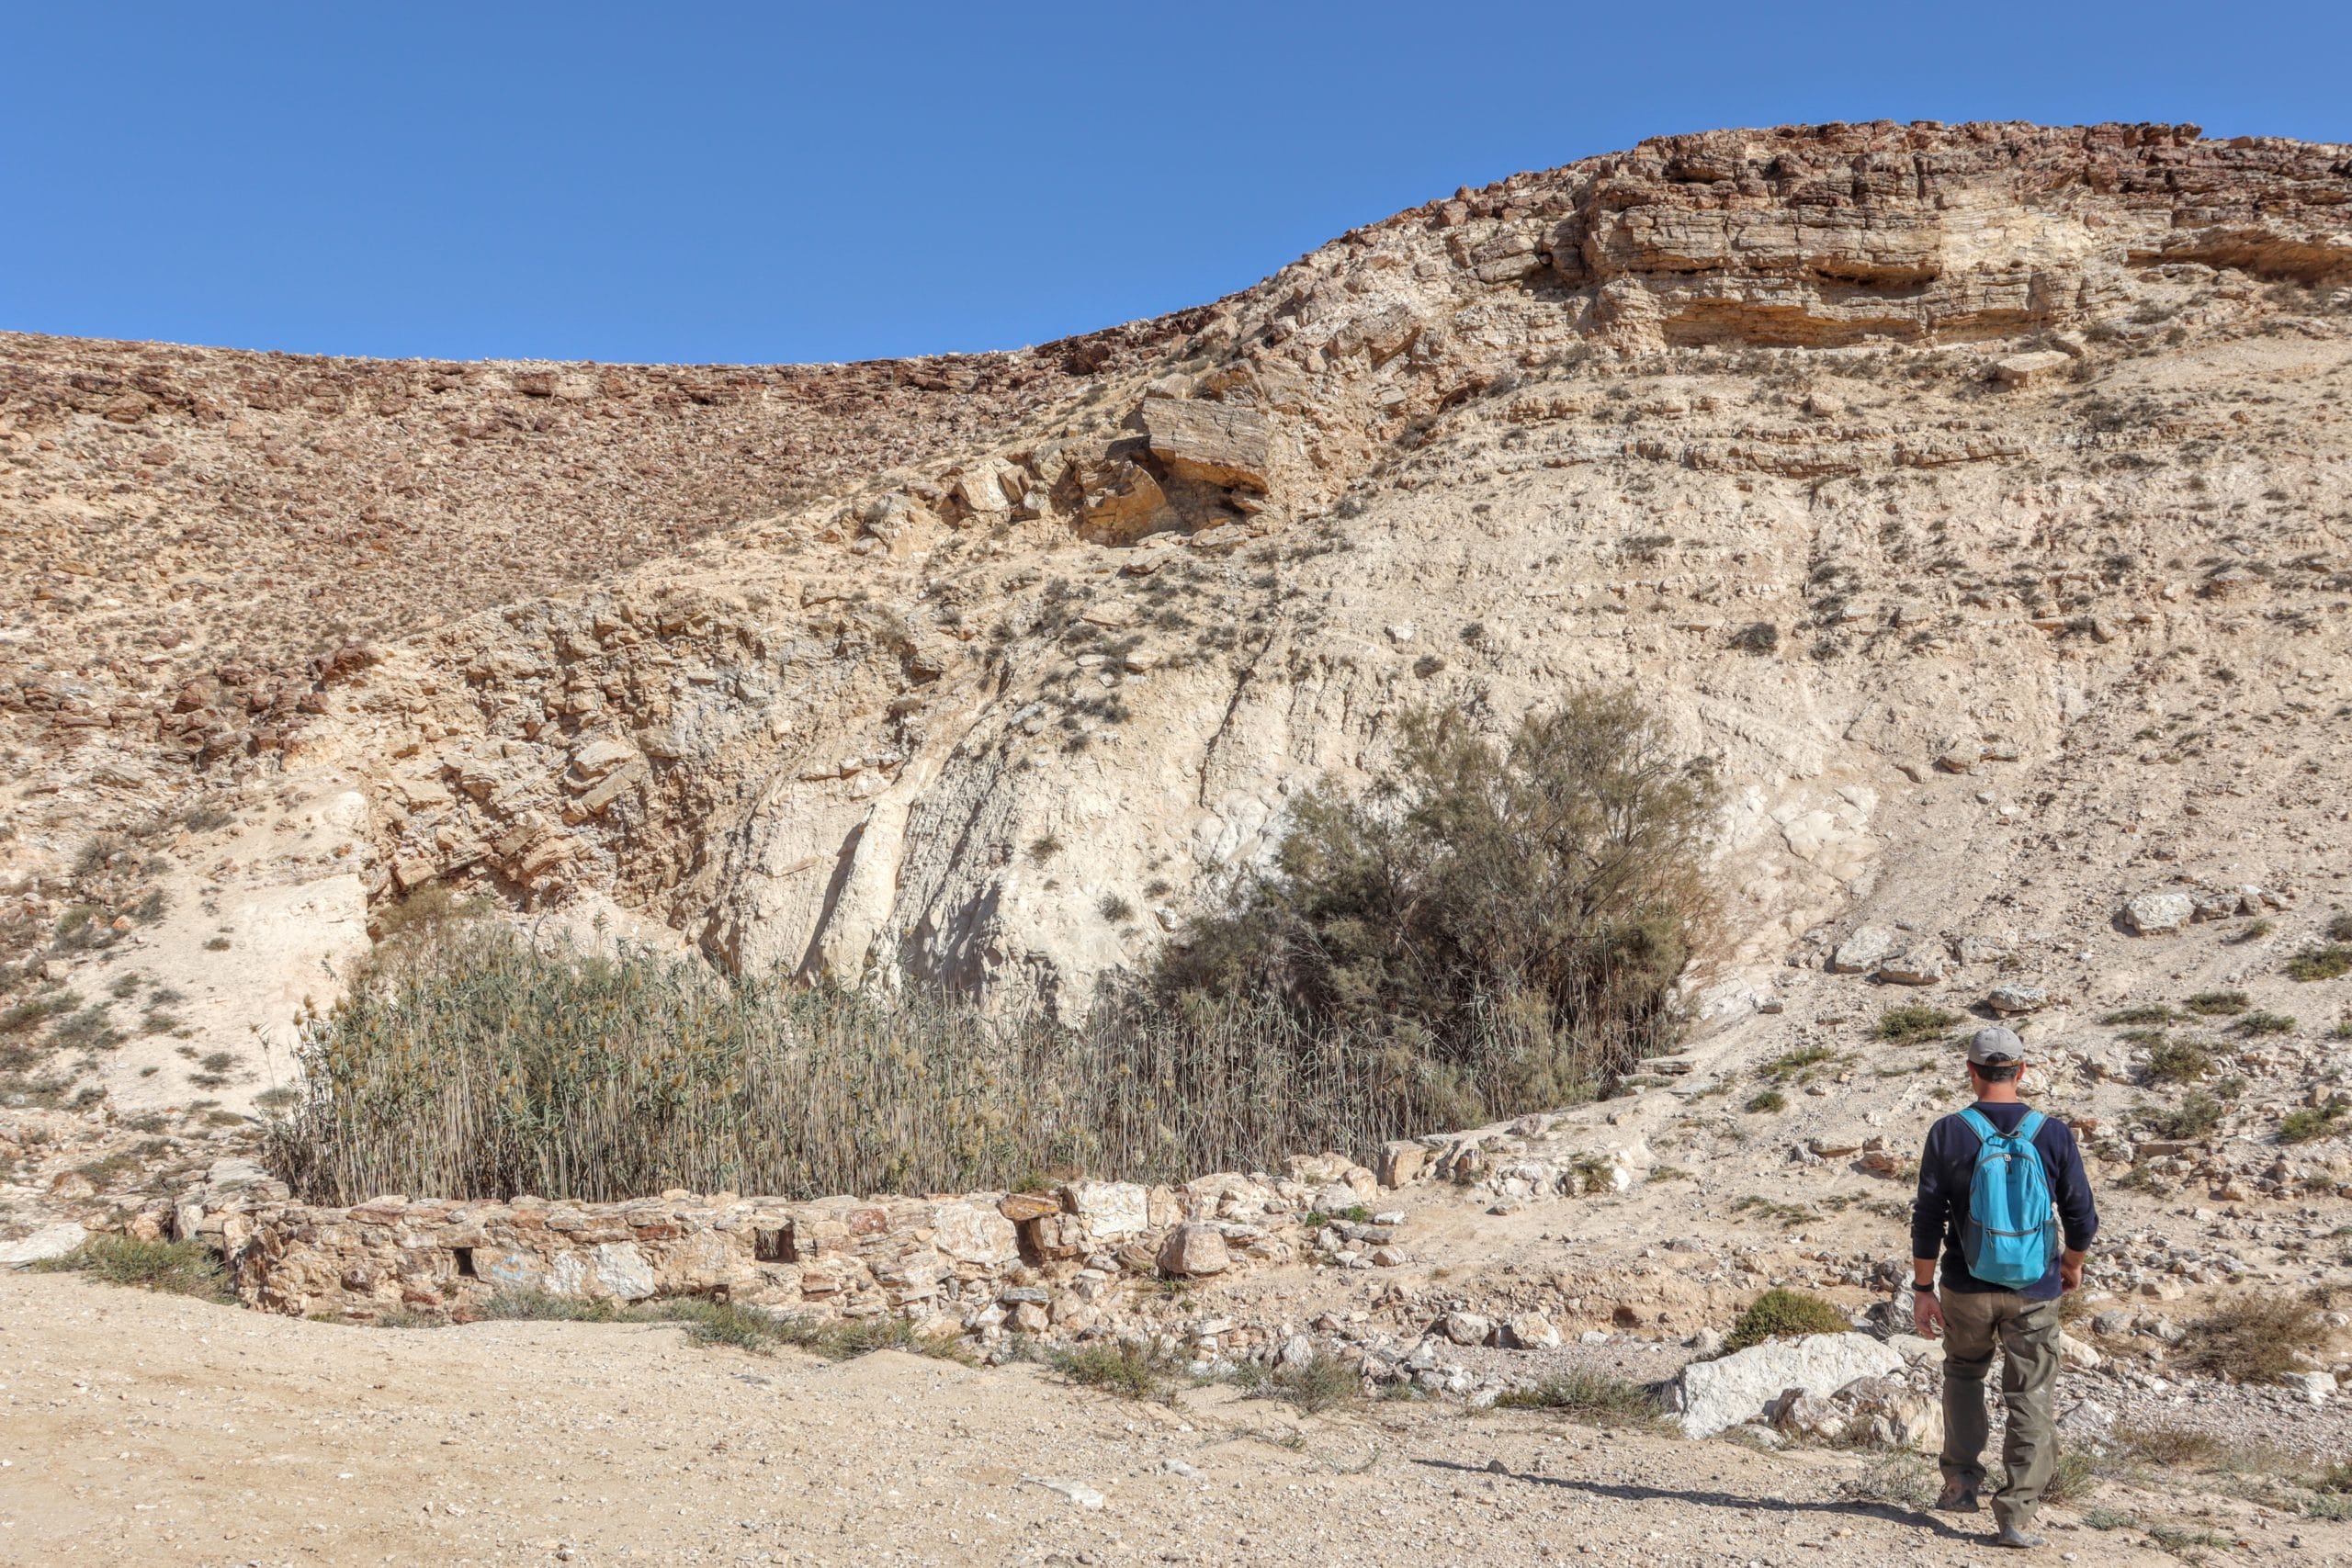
[(2339, 927), (2330, 963), (1784, 1314), (2218, 1004), (2177, 1061), (2254, 1339), (1323, 1381), (1795, 1063), (1549, 887), (2142, 1013), (176, 1268), (2194, 1115), (2304, 1123), (1587, 1395), (1126, 1368), (1913, 1022), (2264, 1023), (2185, 1447), (1768, 1103), (1905, 1479)]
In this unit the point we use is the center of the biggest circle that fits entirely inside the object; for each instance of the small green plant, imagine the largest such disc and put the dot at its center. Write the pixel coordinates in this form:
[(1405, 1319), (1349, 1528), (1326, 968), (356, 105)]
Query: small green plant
[(2218, 1004), (1126, 1368), (2330, 963), (1115, 909), (2306, 1123), (1587, 1395), (1769, 1102), (1784, 1314), (217, 944), (2177, 1061), (1912, 1022), (1793, 1064), (2144, 1013), (2255, 1024), (2254, 931), (2339, 927), (175, 1267), (1043, 848), (2196, 1115), (1322, 1381)]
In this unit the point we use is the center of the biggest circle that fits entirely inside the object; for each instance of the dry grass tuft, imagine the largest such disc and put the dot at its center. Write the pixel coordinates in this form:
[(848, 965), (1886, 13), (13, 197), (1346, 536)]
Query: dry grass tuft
[(2252, 1339)]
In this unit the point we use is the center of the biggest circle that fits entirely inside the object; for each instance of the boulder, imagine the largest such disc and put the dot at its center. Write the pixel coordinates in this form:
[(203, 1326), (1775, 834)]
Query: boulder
[(1530, 1331), (2017, 998), (1402, 1163), (1863, 951), (1914, 966), (1194, 1251), (1218, 443), (1109, 1210), (1466, 1327), (2158, 914), (1712, 1395), (2025, 370)]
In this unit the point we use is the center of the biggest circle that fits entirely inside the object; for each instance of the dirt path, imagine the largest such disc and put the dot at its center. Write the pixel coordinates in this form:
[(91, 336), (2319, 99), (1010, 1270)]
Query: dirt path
[(145, 1430)]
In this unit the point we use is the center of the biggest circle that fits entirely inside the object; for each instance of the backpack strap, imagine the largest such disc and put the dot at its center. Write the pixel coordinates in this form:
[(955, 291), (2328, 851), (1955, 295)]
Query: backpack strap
[(1976, 1122), (2030, 1126)]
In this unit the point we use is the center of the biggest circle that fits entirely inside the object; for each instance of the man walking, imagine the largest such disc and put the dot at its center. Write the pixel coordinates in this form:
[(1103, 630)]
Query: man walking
[(1988, 1181)]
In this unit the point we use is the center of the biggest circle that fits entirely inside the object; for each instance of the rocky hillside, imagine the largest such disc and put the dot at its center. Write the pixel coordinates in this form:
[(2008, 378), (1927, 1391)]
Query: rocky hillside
[(1975, 495)]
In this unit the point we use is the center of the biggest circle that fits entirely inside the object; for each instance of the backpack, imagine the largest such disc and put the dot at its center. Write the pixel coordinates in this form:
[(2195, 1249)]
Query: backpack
[(2011, 1233)]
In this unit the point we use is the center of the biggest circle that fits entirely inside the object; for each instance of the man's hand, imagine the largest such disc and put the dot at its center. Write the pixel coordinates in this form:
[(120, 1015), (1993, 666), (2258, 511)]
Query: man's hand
[(2070, 1271), (1927, 1313)]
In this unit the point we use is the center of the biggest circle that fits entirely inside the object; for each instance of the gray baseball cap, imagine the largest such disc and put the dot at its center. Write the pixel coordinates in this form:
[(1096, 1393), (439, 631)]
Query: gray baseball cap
[(1987, 1046)]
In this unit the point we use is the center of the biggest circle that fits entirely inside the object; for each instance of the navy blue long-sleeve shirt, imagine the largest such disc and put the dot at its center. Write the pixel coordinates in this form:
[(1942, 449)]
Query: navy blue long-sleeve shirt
[(1948, 1164)]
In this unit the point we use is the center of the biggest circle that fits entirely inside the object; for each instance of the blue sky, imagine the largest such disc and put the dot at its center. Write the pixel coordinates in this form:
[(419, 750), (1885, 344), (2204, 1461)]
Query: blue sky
[(780, 181)]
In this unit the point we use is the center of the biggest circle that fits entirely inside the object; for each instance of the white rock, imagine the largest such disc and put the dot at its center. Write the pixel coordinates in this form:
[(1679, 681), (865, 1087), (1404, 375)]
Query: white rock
[(2076, 1355), (1109, 1210), (1712, 1395), (49, 1241), (1530, 1331), (622, 1269), (2158, 914), (2017, 998), (1865, 950), (2317, 1387), (1078, 1492)]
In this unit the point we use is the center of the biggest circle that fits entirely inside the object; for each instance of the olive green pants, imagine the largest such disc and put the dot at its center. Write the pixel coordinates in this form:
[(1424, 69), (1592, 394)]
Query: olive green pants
[(2026, 1333)]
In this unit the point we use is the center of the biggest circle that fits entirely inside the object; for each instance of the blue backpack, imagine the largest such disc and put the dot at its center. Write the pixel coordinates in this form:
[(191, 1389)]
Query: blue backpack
[(2011, 1232)]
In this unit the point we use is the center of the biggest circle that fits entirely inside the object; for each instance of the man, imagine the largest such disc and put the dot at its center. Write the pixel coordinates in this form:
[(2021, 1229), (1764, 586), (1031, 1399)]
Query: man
[(1974, 1316)]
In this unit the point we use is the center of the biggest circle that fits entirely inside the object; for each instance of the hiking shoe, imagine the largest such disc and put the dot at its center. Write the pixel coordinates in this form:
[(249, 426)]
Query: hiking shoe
[(2017, 1541), (1958, 1498)]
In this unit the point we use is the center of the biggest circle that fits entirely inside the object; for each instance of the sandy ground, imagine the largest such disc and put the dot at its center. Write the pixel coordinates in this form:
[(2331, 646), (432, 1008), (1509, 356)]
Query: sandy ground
[(145, 1430)]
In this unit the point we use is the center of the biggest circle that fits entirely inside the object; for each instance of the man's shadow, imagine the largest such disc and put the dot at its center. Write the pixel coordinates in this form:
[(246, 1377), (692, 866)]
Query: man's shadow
[(1624, 1492)]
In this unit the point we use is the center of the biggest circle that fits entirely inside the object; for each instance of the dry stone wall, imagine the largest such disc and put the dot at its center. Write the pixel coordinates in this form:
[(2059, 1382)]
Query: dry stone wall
[(1033, 1263)]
